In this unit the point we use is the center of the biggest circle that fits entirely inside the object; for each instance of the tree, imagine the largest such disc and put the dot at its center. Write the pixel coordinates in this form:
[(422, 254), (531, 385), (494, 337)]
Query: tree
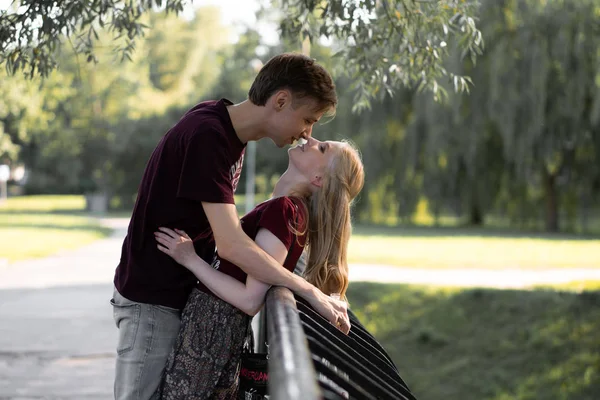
[(384, 44), (19, 111), (91, 127), (387, 44), (32, 31), (543, 94)]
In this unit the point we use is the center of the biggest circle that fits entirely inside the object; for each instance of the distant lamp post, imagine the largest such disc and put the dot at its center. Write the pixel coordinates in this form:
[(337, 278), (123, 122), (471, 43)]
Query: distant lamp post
[(250, 158), (4, 175), (251, 175)]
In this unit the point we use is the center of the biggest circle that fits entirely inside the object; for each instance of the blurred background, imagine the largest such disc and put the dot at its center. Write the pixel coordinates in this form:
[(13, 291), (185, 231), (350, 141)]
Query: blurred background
[(479, 125)]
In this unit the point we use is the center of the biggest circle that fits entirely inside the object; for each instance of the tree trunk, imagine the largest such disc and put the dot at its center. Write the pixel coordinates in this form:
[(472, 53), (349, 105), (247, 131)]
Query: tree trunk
[(475, 213), (551, 202), (475, 216), (584, 211)]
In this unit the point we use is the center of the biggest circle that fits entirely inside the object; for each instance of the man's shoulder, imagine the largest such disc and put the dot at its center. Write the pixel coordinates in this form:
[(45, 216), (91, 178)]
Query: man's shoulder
[(205, 109), (209, 119), (205, 116)]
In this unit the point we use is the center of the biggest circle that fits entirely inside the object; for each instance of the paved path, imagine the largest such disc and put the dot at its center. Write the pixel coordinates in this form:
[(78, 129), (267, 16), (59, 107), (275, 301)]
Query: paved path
[(57, 335)]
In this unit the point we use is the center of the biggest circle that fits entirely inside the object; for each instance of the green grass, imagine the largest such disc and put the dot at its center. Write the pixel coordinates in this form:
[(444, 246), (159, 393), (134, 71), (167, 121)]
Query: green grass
[(487, 344), (574, 286), (44, 204), (34, 226), (471, 248), (457, 247), (38, 226)]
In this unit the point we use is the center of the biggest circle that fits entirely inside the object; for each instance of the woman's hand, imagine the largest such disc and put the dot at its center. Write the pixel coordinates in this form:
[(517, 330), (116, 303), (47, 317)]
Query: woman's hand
[(176, 244), (335, 311)]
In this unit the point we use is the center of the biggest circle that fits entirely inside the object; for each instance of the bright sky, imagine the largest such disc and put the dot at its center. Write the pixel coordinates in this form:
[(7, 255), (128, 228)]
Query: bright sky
[(242, 13), (234, 11)]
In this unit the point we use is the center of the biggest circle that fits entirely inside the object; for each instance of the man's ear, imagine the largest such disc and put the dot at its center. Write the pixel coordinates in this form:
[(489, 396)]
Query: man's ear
[(282, 98), (317, 180)]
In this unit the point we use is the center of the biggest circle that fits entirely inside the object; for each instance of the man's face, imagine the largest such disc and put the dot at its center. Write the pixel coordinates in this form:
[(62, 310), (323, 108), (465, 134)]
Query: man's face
[(293, 121)]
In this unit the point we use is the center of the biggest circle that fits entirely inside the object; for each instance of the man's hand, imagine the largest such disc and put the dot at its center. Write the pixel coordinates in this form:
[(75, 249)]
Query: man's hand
[(335, 311), (176, 244)]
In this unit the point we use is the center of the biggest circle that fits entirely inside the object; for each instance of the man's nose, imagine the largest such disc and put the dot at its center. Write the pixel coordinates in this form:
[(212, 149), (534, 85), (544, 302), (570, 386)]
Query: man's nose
[(308, 132)]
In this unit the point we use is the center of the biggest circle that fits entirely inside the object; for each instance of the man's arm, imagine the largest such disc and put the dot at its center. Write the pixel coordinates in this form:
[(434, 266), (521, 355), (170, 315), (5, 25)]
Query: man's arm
[(234, 245), (248, 297)]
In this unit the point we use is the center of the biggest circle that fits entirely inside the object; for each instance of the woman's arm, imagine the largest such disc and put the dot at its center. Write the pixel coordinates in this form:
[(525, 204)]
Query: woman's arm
[(247, 297)]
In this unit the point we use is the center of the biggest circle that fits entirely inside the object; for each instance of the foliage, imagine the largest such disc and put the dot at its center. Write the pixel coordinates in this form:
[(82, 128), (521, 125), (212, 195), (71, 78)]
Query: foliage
[(521, 150), (527, 134), (384, 45), (32, 31), (91, 127), (549, 134)]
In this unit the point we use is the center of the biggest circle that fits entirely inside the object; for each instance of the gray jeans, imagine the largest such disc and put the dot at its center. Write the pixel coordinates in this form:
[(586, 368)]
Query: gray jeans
[(147, 333)]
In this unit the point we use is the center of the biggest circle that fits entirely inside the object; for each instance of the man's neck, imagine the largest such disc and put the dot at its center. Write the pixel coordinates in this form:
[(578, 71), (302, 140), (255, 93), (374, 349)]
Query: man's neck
[(247, 120)]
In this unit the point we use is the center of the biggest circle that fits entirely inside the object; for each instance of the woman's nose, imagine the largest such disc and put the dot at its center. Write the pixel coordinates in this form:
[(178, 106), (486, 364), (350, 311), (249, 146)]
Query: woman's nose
[(312, 141)]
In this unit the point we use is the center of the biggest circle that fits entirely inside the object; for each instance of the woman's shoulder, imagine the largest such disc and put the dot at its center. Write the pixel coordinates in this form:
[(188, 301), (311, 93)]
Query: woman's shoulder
[(284, 203), (285, 208)]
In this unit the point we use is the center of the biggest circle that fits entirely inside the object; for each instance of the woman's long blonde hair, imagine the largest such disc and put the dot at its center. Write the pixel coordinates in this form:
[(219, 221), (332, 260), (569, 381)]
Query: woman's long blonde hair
[(329, 222)]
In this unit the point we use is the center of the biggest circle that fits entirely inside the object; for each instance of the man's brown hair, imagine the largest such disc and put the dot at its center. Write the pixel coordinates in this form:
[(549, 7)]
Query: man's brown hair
[(298, 73)]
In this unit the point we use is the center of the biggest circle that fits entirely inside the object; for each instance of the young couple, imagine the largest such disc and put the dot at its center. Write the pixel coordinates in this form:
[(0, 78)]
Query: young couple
[(185, 211)]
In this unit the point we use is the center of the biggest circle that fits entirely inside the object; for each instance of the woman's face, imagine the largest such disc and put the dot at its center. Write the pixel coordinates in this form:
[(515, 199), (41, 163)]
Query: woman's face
[(312, 158)]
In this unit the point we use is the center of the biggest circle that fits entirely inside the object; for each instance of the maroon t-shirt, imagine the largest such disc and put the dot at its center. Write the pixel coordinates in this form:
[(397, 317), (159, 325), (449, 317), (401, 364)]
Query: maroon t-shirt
[(281, 216), (199, 159)]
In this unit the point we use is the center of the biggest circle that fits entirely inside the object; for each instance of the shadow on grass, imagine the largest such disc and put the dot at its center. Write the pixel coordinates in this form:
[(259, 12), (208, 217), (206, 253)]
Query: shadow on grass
[(422, 231), (486, 344)]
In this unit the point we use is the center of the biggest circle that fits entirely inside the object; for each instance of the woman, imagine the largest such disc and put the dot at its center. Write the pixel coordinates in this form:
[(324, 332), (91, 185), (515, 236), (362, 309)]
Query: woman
[(310, 207)]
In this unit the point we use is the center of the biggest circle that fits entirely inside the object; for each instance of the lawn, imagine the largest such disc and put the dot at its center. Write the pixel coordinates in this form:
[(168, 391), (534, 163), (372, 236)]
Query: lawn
[(455, 247), (38, 226), (487, 344), (471, 248), (33, 226)]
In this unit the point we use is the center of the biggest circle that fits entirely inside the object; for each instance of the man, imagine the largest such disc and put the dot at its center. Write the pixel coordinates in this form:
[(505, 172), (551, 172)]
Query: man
[(189, 184)]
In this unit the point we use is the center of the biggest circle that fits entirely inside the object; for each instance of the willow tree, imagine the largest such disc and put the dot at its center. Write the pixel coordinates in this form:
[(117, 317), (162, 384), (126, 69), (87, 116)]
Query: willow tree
[(461, 158), (543, 94), (527, 132), (385, 44)]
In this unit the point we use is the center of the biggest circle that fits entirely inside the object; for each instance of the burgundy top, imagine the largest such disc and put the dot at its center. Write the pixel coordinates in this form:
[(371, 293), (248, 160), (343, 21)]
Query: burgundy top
[(199, 159), (278, 215)]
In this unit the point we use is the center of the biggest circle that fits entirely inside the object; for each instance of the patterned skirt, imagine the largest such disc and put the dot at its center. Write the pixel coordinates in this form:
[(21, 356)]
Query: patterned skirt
[(205, 362)]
